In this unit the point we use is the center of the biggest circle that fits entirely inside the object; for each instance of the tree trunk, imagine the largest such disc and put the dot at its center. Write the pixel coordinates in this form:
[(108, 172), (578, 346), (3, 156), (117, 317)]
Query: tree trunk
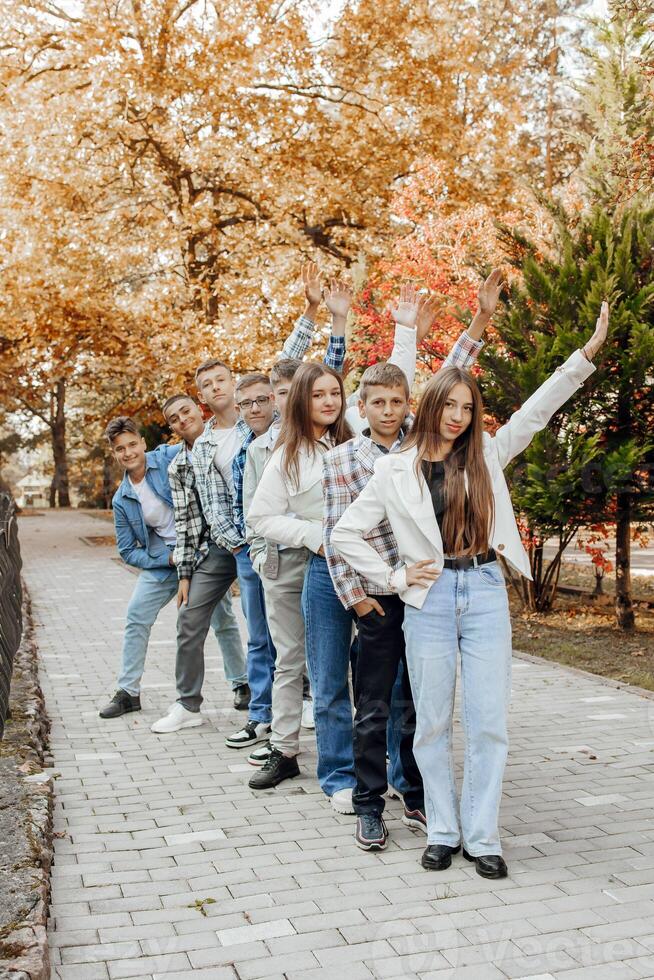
[(107, 491), (59, 486), (624, 608)]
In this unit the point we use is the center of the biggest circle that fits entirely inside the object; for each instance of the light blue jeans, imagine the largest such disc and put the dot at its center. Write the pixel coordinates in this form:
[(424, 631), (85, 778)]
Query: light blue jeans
[(466, 614), (149, 597)]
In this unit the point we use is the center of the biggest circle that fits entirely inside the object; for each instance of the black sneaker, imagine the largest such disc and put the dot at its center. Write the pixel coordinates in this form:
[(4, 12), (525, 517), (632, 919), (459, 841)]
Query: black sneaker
[(120, 704), (250, 734), (415, 819), (242, 697), (371, 833), (275, 770)]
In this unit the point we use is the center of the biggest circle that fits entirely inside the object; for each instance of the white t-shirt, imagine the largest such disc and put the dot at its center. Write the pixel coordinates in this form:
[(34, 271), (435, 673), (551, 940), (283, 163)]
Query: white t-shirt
[(228, 442), (156, 512)]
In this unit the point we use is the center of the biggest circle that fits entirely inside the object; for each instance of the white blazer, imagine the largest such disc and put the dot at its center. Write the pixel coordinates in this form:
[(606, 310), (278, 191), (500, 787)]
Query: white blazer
[(396, 493)]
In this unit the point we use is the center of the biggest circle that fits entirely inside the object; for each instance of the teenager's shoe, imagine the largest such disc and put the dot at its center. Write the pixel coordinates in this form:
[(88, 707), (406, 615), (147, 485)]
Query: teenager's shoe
[(488, 865), (371, 833), (275, 770), (253, 732), (307, 714), (415, 819), (120, 704), (438, 857), (242, 697), (260, 755), (178, 717), (341, 801), (392, 793)]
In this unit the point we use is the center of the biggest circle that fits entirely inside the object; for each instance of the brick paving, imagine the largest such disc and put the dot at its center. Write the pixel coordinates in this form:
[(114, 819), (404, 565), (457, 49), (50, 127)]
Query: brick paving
[(168, 866)]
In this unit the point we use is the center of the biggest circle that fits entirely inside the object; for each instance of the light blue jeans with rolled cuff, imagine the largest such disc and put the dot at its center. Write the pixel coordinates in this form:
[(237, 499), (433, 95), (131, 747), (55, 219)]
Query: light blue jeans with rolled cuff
[(466, 615), (149, 597)]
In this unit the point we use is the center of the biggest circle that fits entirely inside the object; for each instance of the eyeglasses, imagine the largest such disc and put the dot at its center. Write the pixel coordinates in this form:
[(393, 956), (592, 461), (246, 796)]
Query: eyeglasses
[(261, 401)]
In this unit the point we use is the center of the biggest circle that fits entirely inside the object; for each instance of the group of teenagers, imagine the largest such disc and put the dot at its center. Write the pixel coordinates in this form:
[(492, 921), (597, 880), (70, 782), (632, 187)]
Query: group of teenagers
[(365, 540)]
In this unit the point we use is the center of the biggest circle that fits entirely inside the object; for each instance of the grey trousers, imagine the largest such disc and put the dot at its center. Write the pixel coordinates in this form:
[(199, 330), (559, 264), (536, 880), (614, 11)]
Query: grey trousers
[(286, 625), (211, 580)]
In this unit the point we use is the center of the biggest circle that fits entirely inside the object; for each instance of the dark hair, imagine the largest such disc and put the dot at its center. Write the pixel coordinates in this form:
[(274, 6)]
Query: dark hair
[(211, 363), (468, 516), (122, 423), (389, 375), (297, 428), (284, 370), (251, 379), (176, 398)]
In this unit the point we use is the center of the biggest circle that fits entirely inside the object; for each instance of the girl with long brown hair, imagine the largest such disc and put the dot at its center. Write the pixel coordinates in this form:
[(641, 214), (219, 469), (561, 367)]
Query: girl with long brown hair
[(449, 507), (288, 509)]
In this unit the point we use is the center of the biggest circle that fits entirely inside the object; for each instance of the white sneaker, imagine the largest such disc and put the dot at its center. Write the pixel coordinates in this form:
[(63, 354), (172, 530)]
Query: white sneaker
[(260, 756), (307, 714), (342, 801), (251, 733), (393, 794), (178, 717)]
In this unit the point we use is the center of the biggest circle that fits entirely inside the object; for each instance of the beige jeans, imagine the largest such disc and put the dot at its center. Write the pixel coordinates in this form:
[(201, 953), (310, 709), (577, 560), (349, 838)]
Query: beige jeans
[(286, 625)]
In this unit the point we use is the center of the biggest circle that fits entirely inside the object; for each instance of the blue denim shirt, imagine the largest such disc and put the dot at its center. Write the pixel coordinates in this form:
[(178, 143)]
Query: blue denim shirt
[(138, 544)]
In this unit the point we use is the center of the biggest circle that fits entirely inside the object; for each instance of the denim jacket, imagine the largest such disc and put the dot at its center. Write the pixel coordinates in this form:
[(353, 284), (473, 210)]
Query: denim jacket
[(138, 544)]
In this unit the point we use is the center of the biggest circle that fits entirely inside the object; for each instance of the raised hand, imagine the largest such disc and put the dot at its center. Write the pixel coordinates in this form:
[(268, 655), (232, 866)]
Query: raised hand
[(312, 284), (421, 573), (489, 292), (427, 314), (338, 298), (592, 346), (405, 311)]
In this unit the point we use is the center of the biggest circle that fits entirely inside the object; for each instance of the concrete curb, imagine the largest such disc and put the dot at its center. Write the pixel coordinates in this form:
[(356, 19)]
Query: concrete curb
[(24, 942)]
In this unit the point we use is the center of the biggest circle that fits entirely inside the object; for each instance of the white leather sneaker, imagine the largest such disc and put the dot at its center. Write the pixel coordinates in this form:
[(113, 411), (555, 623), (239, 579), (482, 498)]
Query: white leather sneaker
[(178, 717), (342, 801)]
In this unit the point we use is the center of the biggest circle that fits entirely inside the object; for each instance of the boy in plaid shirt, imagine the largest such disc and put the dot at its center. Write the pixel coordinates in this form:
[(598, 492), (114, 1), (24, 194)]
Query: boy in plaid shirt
[(381, 674)]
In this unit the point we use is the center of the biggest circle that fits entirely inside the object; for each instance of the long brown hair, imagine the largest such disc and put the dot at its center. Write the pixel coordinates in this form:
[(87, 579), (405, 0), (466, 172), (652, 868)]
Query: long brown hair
[(465, 529), (297, 428)]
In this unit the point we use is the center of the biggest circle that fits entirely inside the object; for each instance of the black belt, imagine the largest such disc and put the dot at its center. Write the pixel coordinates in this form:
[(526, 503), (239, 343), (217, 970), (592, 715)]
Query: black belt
[(463, 564)]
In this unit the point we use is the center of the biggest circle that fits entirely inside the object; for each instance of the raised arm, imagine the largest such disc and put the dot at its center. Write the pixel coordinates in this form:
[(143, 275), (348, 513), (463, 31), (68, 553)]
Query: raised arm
[(338, 299), (301, 337), (513, 438)]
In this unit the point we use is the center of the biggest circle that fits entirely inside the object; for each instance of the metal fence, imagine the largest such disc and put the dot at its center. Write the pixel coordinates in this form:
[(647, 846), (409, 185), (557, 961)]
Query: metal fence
[(11, 620)]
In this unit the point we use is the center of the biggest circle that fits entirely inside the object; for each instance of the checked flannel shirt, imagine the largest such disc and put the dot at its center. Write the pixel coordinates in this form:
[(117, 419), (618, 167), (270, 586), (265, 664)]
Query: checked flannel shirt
[(192, 529), (346, 471), (218, 505)]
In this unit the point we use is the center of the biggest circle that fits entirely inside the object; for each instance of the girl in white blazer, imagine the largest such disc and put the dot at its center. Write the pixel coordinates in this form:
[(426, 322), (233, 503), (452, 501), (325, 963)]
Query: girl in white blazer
[(287, 508), (456, 600)]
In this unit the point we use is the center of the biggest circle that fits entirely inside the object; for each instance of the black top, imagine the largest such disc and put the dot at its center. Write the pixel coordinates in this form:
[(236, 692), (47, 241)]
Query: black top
[(434, 474)]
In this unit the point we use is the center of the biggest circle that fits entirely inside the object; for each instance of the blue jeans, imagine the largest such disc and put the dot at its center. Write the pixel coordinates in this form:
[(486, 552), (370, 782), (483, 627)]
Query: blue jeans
[(328, 639), (149, 597), (261, 649), (466, 614)]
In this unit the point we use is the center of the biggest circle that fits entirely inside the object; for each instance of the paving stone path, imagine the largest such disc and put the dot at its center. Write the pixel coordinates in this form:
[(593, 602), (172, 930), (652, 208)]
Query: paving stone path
[(168, 866)]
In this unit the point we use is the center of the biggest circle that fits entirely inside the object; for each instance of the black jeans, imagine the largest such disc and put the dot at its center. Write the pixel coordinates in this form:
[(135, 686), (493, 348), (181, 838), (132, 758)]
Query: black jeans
[(381, 650)]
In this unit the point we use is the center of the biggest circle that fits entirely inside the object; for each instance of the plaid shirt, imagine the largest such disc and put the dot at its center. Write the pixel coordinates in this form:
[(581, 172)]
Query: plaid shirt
[(190, 525), (220, 509), (346, 471)]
